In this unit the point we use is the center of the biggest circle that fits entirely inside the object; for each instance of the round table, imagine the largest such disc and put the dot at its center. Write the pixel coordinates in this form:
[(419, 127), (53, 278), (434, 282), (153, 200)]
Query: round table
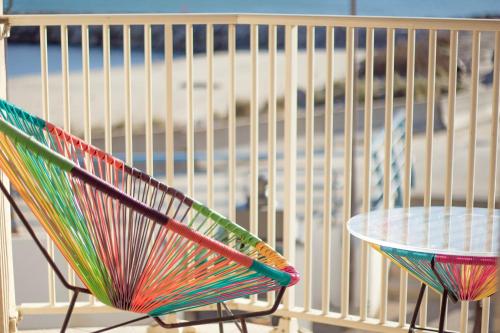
[(452, 250)]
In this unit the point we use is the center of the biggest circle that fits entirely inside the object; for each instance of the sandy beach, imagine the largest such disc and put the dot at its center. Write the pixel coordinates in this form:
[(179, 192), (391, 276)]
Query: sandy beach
[(30, 85), (21, 86)]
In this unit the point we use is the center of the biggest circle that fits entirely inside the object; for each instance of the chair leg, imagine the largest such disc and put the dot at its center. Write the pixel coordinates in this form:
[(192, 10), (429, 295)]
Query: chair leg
[(442, 316), (72, 306), (231, 313), (417, 308), (219, 313), (70, 311), (243, 326), (38, 243)]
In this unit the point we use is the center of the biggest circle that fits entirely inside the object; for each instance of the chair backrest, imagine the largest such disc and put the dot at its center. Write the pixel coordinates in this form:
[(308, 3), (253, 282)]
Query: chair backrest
[(135, 242)]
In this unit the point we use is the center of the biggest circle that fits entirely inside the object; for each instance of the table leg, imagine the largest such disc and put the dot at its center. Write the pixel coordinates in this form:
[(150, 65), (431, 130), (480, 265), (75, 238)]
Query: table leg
[(417, 308)]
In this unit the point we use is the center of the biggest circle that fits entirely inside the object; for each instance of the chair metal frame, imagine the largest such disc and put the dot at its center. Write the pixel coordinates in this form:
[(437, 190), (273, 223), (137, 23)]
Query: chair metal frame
[(241, 318)]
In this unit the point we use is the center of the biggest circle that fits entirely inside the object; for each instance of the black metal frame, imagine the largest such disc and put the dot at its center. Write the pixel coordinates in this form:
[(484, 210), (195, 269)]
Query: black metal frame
[(233, 317), (444, 304), (77, 290)]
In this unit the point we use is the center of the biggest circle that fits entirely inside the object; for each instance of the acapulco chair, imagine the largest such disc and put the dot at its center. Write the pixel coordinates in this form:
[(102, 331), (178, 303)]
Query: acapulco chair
[(135, 243)]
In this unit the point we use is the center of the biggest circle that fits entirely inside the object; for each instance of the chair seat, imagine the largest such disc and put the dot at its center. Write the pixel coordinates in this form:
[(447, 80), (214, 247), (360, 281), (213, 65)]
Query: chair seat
[(465, 278)]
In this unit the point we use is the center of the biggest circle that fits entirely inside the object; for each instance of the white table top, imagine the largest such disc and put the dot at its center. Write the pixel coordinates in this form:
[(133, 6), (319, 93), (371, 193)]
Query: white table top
[(436, 230)]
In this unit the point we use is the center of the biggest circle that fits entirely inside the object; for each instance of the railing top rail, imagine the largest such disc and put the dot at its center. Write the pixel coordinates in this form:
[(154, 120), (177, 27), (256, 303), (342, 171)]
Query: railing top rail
[(374, 22), (305, 20)]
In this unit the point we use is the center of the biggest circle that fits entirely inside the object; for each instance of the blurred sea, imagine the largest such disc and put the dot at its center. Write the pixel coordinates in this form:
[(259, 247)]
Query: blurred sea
[(24, 59), (423, 8)]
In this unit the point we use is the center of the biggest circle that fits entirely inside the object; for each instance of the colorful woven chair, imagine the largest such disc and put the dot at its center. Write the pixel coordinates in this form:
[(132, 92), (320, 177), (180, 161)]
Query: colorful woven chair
[(459, 278), (135, 243)]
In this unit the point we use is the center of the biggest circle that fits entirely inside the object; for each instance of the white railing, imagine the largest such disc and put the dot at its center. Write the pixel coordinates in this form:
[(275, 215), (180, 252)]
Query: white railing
[(302, 152)]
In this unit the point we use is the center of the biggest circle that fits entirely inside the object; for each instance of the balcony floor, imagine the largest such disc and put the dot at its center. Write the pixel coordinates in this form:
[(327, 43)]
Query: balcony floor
[(132, 329), (228, 328)]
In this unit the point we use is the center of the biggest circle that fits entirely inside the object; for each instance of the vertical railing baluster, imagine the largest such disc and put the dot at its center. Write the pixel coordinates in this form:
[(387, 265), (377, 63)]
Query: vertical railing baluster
[(148, 84), (8, 308), (66, 113), (87, 125), (290, 152), (348, 129), (328, 176), (429, 141), (389, 100), (232, 122), (254, 132), (495, 120), (271, 146), (471, 156), (450, 130), (87, 132), (46, 116), (189, 109), (309, 185), (128, 95), (410, 98), (492, 177), (450, 134), (65, 78), (210, 114), (367, 162), (431, 84), (108, 135), (106, 67), (473, 119), (389, 109), (169, 105), (410, 79), (44, 71)]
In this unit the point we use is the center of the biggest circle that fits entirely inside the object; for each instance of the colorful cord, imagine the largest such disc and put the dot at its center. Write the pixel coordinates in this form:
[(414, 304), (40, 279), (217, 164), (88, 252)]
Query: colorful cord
[(466, 278), (469, 278), (136, 243)]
